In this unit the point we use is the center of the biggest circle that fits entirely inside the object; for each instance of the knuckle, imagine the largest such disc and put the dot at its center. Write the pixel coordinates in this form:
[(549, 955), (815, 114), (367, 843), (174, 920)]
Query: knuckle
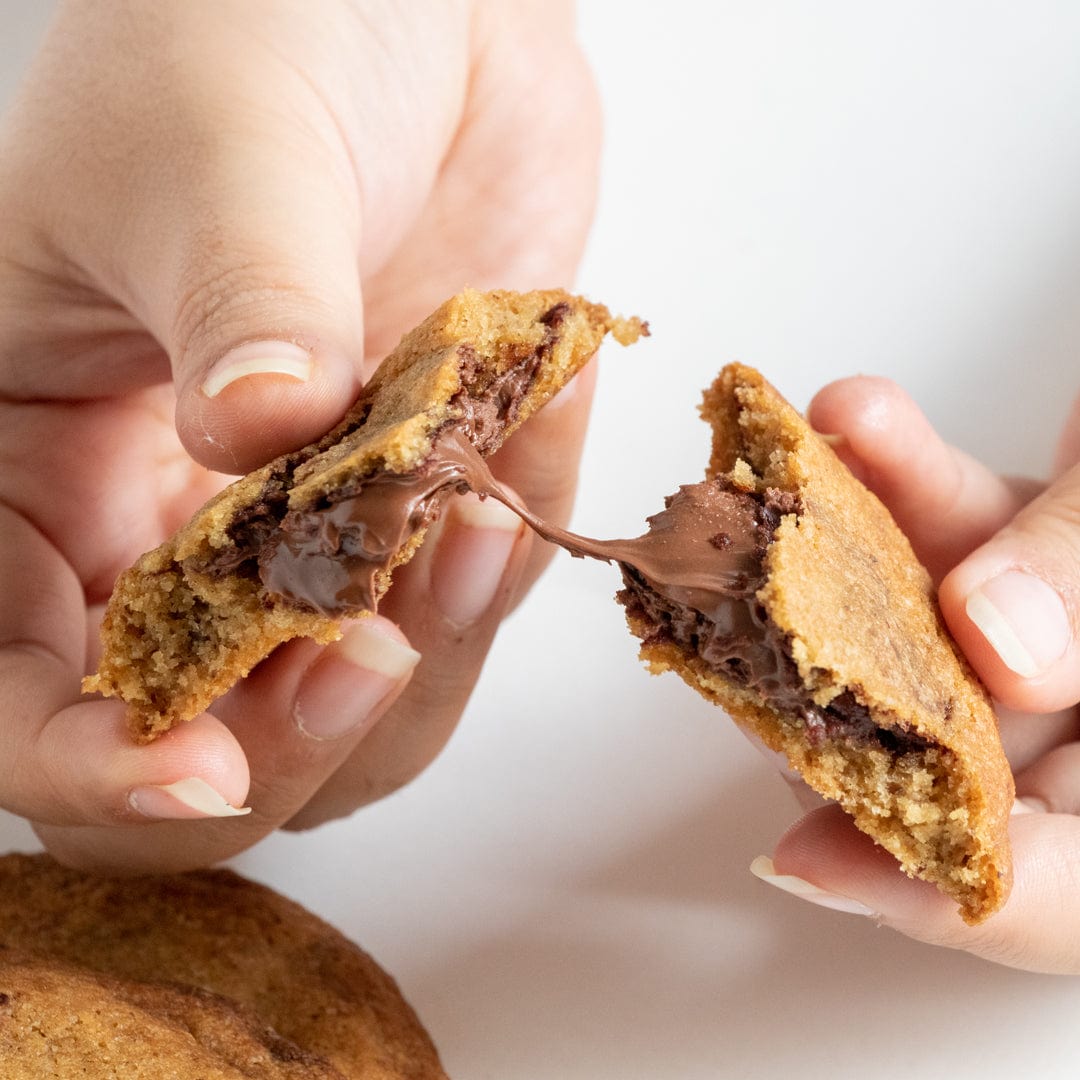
[(220, 306), (1012, 946), (1050, 535)]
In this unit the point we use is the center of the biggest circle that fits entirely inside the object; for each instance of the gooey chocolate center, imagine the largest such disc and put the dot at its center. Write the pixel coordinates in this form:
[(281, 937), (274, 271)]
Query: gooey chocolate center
[(693, 578)]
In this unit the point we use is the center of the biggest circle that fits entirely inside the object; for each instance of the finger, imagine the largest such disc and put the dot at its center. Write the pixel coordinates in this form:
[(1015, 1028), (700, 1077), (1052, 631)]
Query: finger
[(449, 600), (825, 860), (1014, 603), (945, 501), (1053, 781), (225, 217), (541, 462), (299, 715), (1026, 737), (302, 712), (263, 326), (71, 760)]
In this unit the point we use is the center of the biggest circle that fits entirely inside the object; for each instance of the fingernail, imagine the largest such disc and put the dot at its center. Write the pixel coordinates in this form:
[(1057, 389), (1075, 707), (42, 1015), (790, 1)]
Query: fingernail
[(190, 798), (257, 358), (833, 440), (344, 688), (1028, 804), (470, 562), (762, 868), (1023, 619)]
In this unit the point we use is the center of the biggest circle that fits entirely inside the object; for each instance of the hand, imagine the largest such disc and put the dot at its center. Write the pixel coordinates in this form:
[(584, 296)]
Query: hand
[(1006, 555), (217, 217)]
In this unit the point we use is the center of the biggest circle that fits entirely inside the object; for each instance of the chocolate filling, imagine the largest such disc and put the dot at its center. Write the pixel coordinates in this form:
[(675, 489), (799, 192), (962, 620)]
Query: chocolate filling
[(693, 577), (724, 623), (330, 557), (254, 524)]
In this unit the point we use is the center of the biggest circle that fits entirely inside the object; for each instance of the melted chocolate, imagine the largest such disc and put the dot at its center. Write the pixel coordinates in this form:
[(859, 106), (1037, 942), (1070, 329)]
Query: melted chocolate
[(714, 610), (693, 577), (297, 554), (330, 559)]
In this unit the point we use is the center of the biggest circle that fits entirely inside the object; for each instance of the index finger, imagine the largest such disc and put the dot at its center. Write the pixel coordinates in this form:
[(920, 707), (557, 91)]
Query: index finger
[(945, 501)]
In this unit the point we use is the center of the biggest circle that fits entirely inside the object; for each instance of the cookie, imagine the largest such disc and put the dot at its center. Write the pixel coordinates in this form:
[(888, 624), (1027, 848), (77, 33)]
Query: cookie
[(204, 964), (781, 589), (66, 1022), (290, 549)]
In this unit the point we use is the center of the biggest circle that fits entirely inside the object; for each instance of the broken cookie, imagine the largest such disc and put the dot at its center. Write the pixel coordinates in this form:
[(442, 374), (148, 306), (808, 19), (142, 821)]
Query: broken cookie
[(314, 536), (781, 589)]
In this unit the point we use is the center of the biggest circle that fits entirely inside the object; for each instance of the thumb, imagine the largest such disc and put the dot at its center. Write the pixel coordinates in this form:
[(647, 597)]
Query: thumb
[(265, 322), (251, 282), (823, 859), (1014, 603)]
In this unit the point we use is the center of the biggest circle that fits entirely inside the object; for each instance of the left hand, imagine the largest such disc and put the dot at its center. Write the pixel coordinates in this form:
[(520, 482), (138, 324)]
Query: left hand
[(217, 218)]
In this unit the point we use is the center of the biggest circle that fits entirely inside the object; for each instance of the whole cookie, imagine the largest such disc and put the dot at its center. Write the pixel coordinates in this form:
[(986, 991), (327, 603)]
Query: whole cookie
[(204, 967), (800, 607), (65, 1022)]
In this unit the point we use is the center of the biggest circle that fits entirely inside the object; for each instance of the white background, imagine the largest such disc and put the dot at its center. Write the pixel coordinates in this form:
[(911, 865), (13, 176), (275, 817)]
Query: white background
[(818, 189)]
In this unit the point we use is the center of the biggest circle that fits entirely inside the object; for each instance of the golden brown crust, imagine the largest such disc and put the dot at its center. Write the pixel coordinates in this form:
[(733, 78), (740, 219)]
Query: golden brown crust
[(211, 951), (175, 636), (861, 617), (66, 1022)]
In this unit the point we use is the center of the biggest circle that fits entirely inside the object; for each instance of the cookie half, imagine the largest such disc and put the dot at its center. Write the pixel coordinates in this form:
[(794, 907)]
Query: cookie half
[(201, 969), (799, 606), (291, 548)]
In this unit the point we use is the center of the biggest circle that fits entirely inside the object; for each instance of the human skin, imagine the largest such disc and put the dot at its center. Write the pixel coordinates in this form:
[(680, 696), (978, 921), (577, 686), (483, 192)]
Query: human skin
[(1005, 553), (217, 217), (177, 180)]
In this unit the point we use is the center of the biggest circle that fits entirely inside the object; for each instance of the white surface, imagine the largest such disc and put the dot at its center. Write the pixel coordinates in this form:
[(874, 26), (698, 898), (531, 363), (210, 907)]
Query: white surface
[(817, 189)]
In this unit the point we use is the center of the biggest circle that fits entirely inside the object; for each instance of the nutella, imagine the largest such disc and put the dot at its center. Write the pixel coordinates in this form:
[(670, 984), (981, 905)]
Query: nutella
[(694, 576), (695, 572), (702, 552)]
